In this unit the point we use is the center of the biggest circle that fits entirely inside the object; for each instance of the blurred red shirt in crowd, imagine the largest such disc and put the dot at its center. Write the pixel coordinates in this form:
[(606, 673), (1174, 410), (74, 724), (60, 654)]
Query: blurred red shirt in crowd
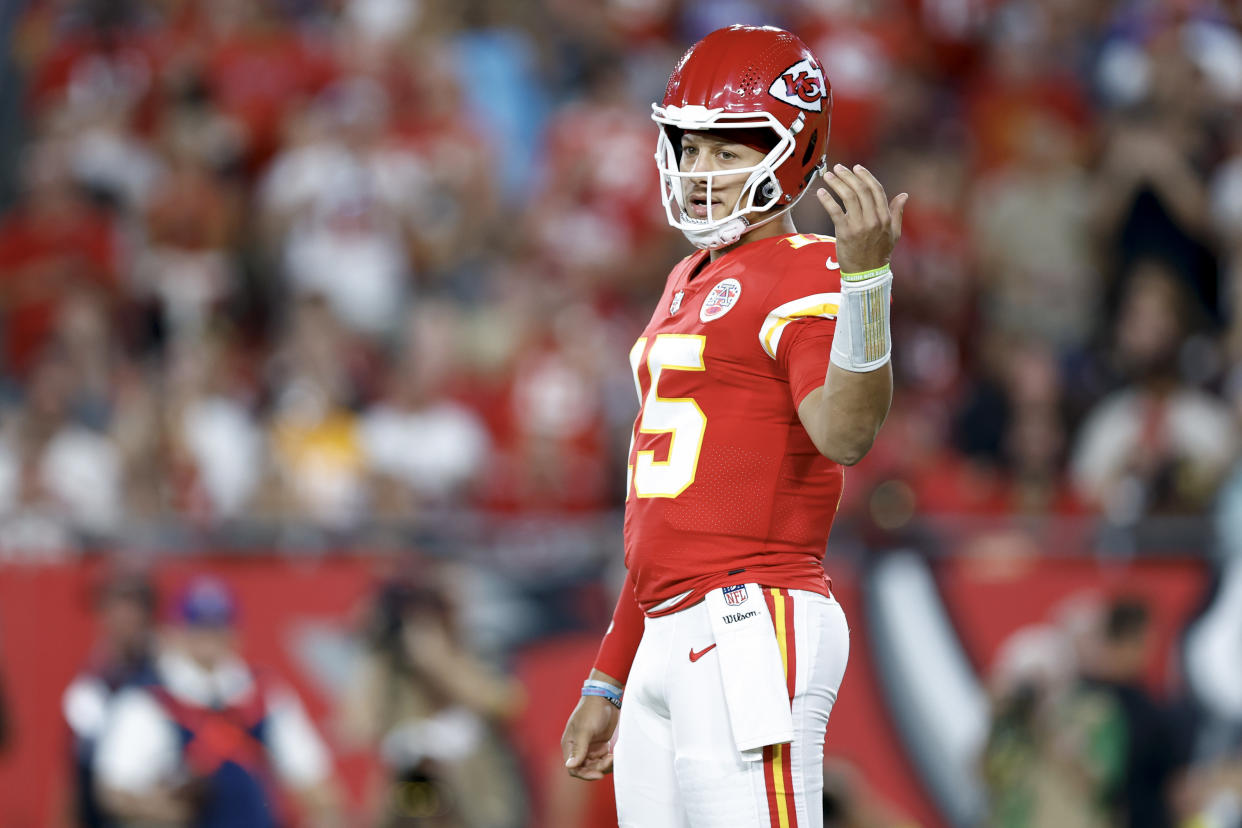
[(51, 245)]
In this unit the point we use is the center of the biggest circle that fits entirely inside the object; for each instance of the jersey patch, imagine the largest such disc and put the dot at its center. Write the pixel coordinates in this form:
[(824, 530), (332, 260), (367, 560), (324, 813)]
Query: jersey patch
[(721, 300), (676, 304), (735, 596)]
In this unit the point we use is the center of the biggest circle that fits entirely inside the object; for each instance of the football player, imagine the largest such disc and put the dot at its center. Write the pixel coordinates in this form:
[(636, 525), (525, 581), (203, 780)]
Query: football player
[(763, 371)]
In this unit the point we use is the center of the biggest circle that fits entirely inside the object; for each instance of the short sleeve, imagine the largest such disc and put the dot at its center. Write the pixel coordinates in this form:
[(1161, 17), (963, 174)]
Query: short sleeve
[(804, 355)]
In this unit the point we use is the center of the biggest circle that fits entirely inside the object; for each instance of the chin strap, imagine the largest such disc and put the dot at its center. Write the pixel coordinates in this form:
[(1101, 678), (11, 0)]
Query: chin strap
[(722, 235), (727, 233)]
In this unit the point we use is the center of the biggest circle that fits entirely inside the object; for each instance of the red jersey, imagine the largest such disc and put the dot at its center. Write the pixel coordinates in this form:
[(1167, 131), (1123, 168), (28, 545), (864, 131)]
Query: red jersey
[(723, 478)]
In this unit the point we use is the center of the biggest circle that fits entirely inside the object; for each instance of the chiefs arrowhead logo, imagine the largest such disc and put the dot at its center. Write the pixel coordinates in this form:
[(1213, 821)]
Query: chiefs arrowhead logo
[(801, 85)]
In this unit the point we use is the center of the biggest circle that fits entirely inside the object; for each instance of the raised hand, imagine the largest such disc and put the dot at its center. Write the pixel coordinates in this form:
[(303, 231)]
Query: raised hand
[(867, 223)]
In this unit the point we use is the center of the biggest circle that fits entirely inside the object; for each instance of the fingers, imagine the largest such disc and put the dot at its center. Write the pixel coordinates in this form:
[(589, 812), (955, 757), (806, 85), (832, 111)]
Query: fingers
[(593, 768), (875, 189), (844, 184), (592, 764), (860, 193), (896, 209), (830, 205)]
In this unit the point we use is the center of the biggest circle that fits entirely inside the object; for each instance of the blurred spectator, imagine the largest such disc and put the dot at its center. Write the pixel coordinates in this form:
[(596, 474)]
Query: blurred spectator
[(1153, 743), (204, 743), (218, 449), (598, 214), (63, 474), (52, 245), (422, 448), (317, 452), (191, 225), (258, 68), (865, 47), (1159, 445), (1052, 754), (552, 447), (457, 216), (123, 657), (343, 206), (1150, 192), (433, 710), (1029, 223)]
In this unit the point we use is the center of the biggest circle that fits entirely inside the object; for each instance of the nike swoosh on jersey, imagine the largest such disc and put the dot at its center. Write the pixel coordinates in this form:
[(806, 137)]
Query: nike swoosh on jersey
[(831, 264), (696, 656)]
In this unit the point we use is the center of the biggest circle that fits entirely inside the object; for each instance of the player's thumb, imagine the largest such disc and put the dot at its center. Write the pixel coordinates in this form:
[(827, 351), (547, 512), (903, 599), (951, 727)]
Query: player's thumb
[(573, 756), (896, 209)]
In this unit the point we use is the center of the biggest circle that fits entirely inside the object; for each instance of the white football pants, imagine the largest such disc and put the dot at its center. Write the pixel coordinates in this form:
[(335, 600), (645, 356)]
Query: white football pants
[(675, 762)]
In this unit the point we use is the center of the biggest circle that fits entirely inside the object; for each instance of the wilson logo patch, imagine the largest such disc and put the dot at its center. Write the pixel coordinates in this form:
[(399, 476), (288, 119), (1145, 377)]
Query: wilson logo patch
[(801, 85), (720, 300)]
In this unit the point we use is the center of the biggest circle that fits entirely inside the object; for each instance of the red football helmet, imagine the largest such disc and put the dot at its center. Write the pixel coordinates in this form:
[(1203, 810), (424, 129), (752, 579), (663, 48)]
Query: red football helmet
[(746, 78)]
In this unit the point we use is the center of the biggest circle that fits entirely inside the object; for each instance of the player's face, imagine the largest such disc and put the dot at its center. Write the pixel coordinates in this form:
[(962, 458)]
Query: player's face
[(707, 152)]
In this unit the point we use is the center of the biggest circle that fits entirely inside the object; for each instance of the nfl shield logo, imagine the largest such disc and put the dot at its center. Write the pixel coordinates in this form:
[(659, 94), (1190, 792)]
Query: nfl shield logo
[(676, 305), (722, 297), (735, 596)]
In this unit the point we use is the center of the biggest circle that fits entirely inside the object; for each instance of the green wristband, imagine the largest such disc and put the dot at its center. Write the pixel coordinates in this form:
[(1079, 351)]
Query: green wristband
[(865, 275)]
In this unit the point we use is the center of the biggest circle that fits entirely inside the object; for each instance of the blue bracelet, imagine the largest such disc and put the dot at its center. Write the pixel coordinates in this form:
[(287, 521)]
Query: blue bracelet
[(603, 689)]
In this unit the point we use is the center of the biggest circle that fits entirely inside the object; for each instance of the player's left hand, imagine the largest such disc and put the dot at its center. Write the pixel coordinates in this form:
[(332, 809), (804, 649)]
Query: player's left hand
[(585, 743), (867, 223)]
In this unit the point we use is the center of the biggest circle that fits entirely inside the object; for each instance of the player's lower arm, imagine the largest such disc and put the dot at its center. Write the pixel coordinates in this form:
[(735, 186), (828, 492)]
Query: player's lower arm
[(844, 416), (854, 406)]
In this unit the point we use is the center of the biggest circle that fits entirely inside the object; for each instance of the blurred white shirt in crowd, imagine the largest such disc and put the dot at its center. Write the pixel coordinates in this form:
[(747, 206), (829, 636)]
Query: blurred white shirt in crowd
[(347, 240), (79, 472), (228, 451), (1194, 428), (435, 450), (82, 471)]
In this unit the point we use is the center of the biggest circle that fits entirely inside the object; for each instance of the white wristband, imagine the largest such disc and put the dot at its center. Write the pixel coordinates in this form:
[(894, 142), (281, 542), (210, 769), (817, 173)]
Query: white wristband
[(862, 341)]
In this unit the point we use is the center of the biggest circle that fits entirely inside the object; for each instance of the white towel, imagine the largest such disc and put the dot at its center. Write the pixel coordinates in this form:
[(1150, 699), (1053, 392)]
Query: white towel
[(751, 669)]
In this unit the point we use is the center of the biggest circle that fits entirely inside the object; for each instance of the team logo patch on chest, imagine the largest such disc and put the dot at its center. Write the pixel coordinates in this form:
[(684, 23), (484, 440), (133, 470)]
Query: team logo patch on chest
[(676, 305), (735, 596), (720, 300)]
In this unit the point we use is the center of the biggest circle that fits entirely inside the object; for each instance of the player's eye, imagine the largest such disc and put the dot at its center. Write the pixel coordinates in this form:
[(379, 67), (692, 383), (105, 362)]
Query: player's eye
[(688, 150), (725, 155)]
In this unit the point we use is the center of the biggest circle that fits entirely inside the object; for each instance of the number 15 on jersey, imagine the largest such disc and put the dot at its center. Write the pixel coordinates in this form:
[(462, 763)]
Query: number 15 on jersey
[(679, 417)]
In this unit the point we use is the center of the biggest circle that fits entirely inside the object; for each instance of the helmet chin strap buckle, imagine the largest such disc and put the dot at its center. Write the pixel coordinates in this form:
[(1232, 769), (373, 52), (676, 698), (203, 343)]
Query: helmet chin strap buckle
[(721, 235)]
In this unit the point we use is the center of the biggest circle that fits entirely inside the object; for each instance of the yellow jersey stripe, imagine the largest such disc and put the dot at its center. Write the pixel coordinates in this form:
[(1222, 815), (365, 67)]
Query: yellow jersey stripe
[(825, 305)]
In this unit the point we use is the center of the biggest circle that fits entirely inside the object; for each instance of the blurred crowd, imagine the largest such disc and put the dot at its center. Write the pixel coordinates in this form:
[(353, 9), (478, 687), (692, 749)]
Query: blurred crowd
[(172, 725), (1078, 738), (339, 264), (308, 272)]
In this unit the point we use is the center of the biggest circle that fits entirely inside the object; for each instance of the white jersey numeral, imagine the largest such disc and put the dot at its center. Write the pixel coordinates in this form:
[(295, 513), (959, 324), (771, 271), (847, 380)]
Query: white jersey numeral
[(679, 417)]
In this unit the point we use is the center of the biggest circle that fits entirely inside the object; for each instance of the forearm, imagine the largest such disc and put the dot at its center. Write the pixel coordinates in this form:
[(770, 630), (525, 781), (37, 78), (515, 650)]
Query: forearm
[(844, 416)]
